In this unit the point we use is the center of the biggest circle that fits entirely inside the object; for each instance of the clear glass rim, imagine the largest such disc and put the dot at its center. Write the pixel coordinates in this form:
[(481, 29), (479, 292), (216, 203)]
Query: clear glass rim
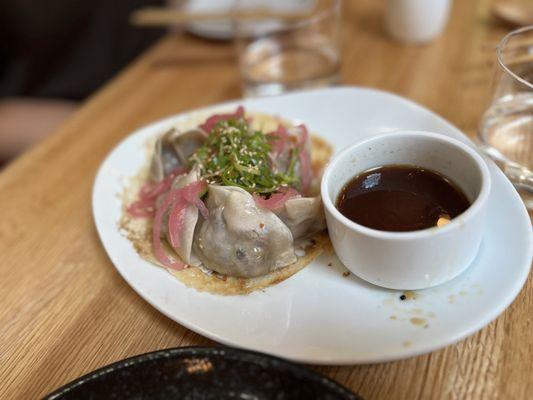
[(499, 54)]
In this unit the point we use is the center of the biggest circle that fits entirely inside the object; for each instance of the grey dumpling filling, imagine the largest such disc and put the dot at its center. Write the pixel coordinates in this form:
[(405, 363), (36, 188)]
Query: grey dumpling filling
[(240, 239)]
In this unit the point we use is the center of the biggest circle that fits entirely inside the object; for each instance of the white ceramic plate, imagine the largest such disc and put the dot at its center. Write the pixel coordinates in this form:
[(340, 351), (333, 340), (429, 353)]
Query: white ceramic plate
[(318, 315)]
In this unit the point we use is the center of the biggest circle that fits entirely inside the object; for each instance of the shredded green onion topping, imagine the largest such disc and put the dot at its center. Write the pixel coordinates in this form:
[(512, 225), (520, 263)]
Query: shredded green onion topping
[(236, 155)]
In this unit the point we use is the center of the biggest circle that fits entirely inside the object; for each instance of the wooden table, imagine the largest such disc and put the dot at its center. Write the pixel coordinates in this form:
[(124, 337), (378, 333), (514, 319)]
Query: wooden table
[(66, 311)]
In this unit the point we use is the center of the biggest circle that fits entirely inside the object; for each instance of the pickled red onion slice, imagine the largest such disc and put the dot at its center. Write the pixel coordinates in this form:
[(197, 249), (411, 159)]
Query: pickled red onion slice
[(159, 251), (305, 159), (176, 221), (199, 205), (276, 200), (281, 138), (141, 208), (177, 201), (145, 206), (210, 123)]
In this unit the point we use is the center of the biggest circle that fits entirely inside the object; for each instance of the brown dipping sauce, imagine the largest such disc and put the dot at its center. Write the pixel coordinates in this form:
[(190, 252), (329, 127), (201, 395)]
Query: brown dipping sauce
[(401, 198)]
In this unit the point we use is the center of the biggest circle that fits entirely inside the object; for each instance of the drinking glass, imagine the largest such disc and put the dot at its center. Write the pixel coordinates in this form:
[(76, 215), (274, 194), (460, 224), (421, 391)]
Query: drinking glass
[(506, 129), (277, 55)]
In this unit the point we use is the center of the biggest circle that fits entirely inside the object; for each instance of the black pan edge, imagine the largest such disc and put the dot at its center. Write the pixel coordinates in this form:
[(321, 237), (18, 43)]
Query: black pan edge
[(229, 353)]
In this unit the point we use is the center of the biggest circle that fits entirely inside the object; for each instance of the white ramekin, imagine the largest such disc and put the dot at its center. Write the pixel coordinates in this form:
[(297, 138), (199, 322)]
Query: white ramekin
[(417, 259)]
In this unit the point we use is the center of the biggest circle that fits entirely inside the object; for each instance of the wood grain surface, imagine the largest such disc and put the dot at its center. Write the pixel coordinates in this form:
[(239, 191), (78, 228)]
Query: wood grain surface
[(65, 310)]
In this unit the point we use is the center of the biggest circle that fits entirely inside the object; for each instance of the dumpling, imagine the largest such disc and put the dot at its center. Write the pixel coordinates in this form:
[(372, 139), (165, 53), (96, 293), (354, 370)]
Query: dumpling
[(190, 218), (172, 150), (303, 215), (186, 143), (239, 239)]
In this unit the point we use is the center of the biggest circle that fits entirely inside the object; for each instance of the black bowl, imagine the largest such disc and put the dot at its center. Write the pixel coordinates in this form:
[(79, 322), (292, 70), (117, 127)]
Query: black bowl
[(194, 373)]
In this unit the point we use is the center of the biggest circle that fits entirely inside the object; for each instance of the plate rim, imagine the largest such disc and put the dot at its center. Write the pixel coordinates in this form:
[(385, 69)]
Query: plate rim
[(406, 353)]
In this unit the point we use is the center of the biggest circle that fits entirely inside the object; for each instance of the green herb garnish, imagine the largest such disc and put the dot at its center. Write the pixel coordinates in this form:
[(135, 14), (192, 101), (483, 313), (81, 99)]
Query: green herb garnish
[(236, 155)]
